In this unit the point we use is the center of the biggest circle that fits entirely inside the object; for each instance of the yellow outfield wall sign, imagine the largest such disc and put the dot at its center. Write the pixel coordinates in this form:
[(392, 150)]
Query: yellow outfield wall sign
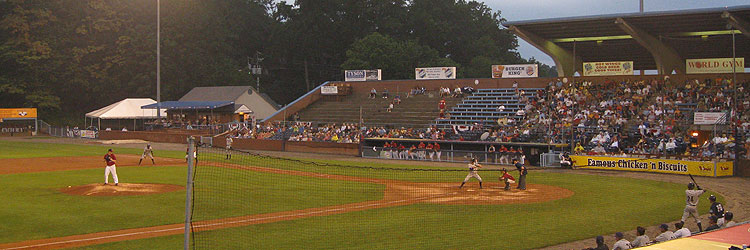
[(697, 168), (17, 113)]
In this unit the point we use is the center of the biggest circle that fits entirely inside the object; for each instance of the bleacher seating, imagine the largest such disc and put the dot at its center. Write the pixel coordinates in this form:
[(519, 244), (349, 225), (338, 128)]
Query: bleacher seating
[(481, 106), (415, 111)]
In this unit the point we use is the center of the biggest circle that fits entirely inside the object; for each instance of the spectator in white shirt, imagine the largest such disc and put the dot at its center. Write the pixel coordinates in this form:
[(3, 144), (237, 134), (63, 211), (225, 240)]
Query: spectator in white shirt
[(501, 108)]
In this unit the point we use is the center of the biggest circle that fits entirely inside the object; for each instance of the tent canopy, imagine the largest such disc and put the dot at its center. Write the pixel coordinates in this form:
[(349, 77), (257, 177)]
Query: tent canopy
[(129, 108)]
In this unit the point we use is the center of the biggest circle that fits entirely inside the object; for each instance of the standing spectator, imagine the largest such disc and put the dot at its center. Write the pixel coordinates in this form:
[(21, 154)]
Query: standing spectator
[(621, 244), (665, 234), (642, 239), (680, 231)]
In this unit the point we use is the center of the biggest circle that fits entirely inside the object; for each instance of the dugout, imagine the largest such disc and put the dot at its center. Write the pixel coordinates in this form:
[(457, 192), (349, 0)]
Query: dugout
[(18, 121), (461, 151), (199, 113)]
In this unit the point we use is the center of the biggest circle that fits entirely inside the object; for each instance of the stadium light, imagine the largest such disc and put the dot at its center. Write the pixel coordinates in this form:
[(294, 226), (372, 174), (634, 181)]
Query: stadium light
[(694, 134), (621, 37)]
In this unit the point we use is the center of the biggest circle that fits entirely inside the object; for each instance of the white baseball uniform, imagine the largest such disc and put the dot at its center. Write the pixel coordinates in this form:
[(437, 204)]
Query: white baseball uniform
[(472, 173), (147, 151), (683, 232), (622, 244), (692, 204)]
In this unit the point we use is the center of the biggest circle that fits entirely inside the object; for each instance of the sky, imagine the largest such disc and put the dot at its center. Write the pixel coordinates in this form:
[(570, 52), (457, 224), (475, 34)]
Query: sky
[(518, 10)]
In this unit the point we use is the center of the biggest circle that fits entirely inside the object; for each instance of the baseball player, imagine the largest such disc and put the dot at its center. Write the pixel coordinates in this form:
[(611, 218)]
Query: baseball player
[(229, 147), (473, 167), (507, 178), (522, 172), (147, 151), (716, 210), (110, 159), (436, 148), (692, 204)]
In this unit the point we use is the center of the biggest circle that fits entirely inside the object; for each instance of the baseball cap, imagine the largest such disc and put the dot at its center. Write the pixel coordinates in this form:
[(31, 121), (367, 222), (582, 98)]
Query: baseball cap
[(110, 150), (664, 226), (618, 235)]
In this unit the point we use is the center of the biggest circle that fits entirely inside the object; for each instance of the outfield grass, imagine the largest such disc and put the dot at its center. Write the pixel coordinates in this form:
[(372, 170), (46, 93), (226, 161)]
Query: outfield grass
[(35, 208), (31, 149)]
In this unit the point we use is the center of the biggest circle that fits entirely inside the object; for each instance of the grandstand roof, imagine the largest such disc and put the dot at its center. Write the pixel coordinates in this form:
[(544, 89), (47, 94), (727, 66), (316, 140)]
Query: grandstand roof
[(696, 33), (189, 105)]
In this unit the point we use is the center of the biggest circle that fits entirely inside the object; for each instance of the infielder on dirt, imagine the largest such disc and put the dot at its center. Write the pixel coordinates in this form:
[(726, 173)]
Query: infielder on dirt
[(110, 159), (147, 151), (473, 167), (692, 204)]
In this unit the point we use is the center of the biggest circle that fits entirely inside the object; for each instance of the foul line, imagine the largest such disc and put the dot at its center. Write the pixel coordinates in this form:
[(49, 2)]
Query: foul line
[(232, 222)]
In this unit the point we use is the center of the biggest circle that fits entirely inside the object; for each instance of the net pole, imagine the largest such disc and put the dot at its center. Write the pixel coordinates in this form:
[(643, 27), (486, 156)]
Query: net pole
[(189, 189)]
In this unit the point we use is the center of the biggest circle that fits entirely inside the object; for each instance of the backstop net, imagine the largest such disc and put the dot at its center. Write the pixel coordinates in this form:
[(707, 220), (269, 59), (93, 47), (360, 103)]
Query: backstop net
[(244, 200)]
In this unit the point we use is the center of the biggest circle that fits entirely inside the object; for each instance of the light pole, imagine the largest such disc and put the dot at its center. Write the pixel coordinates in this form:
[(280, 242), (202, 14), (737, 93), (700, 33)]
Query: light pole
[(736, 116), (158, 61)]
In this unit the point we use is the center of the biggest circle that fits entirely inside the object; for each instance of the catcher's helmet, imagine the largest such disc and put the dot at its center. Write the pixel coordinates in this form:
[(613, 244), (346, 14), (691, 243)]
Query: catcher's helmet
[(712, 198), (691, 185)]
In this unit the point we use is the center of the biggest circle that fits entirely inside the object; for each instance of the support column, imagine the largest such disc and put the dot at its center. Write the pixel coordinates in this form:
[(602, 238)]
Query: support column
[(667, 59), (737, 23), (565, 61)]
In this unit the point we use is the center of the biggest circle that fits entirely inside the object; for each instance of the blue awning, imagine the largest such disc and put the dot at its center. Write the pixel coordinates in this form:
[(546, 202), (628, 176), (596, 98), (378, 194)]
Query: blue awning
[(189, 105)]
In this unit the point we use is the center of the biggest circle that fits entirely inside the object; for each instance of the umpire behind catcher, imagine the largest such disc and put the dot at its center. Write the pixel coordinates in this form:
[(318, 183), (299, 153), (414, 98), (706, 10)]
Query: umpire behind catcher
[(521, 174)]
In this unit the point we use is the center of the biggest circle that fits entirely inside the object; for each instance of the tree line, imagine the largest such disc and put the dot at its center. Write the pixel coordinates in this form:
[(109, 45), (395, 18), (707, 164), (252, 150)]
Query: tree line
[(68, 57)]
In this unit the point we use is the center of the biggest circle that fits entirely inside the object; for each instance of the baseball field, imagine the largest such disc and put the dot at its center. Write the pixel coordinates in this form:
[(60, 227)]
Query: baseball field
[(52, 193)]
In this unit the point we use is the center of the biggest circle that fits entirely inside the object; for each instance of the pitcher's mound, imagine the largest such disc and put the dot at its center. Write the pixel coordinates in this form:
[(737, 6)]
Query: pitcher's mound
[(122, 189)]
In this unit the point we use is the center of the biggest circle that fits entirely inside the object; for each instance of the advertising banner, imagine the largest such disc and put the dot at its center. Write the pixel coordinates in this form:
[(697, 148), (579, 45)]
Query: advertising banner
[(18, 113), (435, 73), (697, 168), (708, 118), (620, 68), (515, 71), (88, 134), (329, 90), (714, 65), (362, 75)]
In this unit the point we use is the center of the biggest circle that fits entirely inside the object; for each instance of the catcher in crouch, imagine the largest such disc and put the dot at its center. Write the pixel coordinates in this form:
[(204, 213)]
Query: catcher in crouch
[(507, 178), (473, 167)]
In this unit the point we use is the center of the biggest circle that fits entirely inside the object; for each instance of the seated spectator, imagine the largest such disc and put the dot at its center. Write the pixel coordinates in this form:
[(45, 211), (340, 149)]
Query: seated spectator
[(373, 93), (642, 239), (390, 107), (712, 223), (598, 149), (385, 94), (665, 234), (599, 243), (680, 231), (621, 243), (397, 99)]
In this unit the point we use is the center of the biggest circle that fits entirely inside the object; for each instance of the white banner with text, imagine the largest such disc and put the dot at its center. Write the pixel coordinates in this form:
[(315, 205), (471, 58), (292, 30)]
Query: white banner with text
[(515, 71), (435, 73), (362, 75), (714, 65), (621, 68)]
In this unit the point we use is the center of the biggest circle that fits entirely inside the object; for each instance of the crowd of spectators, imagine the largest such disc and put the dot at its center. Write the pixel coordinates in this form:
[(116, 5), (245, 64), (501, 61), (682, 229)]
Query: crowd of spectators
[(609, 117)]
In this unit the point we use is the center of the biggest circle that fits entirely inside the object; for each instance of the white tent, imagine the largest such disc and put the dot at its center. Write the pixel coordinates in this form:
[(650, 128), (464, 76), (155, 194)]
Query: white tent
[(129, 108)]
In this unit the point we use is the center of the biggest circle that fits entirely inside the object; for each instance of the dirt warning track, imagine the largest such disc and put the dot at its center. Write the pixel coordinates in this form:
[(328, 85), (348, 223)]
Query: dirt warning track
[(397, 193)]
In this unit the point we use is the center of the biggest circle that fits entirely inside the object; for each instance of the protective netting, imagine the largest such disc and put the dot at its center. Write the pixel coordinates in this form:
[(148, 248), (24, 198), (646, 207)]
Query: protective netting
[(249, 201)]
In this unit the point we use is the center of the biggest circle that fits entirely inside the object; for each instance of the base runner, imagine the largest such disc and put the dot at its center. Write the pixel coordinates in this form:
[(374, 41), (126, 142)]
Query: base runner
[(473, 167), (147, 151)]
